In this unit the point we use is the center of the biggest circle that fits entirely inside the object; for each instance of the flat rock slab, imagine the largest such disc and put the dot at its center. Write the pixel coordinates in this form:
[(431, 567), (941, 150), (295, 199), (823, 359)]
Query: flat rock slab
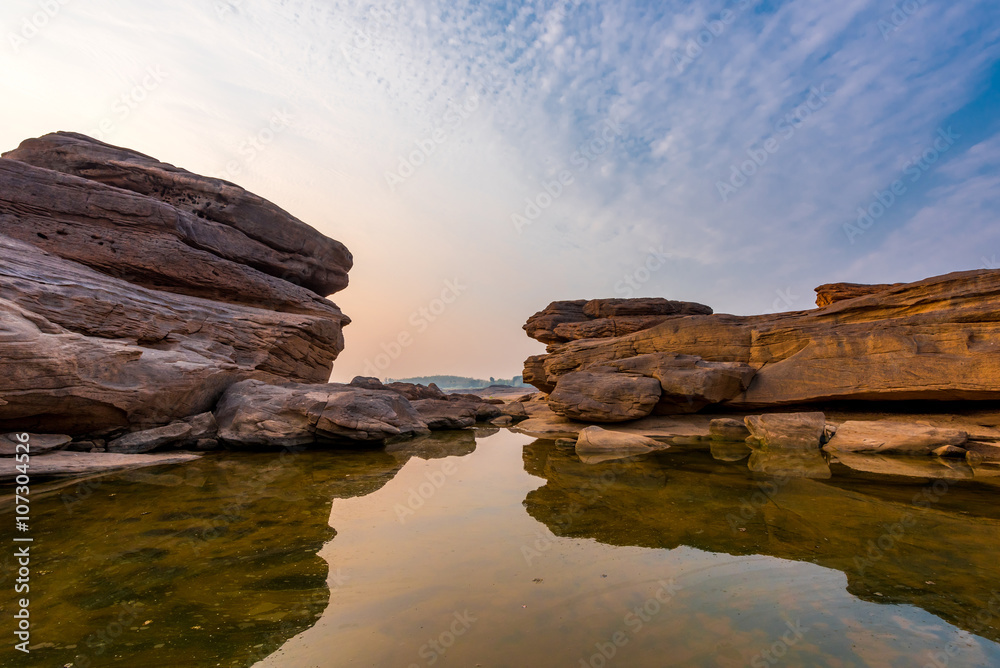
[(75, 463), (37, 443), (891, 437)]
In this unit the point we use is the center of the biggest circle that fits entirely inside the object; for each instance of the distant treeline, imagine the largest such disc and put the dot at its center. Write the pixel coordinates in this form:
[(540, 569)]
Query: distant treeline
[(460, 382)]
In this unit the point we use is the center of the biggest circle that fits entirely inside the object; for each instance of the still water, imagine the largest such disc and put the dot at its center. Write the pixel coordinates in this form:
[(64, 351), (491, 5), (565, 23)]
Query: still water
[(493, 549)]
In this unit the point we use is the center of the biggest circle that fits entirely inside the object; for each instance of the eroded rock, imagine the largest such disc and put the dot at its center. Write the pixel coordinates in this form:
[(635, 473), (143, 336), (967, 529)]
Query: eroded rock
[(787, 431), (893, 437), (604, 397)]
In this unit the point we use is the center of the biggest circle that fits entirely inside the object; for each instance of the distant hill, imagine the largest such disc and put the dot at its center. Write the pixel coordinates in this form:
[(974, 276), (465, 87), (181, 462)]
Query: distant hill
[(460, 382)]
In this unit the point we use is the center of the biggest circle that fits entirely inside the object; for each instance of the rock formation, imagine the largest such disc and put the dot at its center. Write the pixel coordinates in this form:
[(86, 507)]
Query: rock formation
[(933, 340), (134, 293)]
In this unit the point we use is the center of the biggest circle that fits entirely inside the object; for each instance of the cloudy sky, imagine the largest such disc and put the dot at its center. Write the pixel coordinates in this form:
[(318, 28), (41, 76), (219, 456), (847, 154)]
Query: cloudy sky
[(504, 155)]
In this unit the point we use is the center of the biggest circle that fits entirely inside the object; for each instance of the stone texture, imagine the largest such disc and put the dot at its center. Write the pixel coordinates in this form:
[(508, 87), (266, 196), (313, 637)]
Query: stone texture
[(893, 437), (66, 463), (443, 414), (604, 397), (837, 292), (222, 217), (688, 383), (933, 340), (787, 431), (37, 444), (599, 441), (600, 318), (175, 434), (254, 413), (126, 303)]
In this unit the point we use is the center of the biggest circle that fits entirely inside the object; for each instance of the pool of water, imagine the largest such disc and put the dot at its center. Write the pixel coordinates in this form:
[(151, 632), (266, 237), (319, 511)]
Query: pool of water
[(494, 549)]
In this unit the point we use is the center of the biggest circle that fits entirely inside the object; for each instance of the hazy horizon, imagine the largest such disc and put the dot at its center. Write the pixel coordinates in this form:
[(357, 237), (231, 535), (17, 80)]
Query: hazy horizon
[(481, 161)]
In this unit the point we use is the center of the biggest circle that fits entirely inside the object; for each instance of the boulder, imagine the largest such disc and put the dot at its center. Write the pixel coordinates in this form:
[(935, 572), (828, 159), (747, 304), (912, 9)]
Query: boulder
[(688, 383), (951, 451), (443, 414), (892, 437), (36, 444), (787, 431), (515, 410), (932, 340), (728, 429), (596, 441), (254, 413), (604, 397), (502, 421), (177, 434), (566, 321), (134, 293), (222, 217)]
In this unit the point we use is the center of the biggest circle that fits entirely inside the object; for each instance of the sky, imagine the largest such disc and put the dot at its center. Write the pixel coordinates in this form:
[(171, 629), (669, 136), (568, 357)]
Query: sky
[(481, 160)]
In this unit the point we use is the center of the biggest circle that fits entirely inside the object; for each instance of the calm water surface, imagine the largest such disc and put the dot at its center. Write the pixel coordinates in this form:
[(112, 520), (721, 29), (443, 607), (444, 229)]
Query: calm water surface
[(492, 549)]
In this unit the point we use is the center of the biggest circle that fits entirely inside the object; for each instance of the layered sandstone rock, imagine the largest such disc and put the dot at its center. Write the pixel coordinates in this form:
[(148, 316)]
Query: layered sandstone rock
[(133, 293), (836, 292), (933, 340), (602, 318)]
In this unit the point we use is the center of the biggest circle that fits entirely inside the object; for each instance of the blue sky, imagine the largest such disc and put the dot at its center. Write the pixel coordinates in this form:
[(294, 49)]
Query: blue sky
[(504, 155)]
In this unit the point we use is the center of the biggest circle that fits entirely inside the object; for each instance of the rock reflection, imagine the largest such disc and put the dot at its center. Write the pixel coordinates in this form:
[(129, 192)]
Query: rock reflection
[(930, 545), (793, 464), (210, 563)]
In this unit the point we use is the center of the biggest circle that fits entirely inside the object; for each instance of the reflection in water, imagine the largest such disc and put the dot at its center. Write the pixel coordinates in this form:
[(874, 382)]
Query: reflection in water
[(670, 559), (931, 545), (211, 563)]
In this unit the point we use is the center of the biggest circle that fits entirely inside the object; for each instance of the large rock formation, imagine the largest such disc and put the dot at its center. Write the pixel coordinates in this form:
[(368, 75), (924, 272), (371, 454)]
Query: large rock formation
[(133, 293), (934, 340)]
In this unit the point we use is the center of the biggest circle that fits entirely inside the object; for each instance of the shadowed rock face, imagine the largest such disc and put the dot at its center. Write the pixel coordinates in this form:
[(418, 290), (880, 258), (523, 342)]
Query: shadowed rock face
[(789, 511), (934, 340), (133, 293)]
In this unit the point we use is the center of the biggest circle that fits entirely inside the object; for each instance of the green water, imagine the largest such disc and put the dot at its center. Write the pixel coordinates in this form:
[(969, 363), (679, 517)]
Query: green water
[(504, 551)]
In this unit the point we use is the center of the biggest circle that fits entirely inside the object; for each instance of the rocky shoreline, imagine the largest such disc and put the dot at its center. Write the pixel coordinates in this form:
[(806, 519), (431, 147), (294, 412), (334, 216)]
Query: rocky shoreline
[(147, 310)]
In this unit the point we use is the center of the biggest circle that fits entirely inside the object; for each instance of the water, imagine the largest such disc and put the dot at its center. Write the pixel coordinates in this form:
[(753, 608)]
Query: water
[(504, 551)]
